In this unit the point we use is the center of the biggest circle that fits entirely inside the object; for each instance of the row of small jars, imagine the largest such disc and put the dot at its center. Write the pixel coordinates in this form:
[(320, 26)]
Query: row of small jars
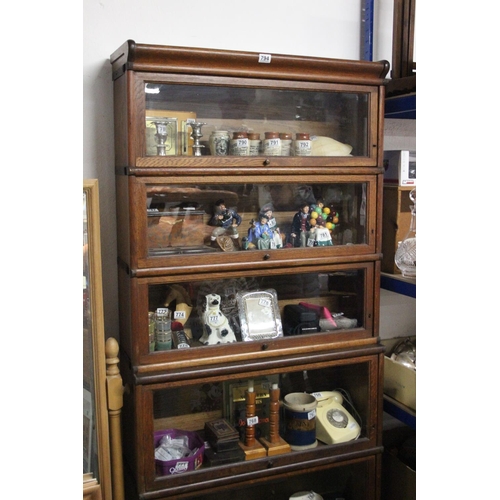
[(250, 144)]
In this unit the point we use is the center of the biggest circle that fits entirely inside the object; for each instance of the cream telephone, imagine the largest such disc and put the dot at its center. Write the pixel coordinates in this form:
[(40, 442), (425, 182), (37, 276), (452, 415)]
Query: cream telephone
[(334, 424)]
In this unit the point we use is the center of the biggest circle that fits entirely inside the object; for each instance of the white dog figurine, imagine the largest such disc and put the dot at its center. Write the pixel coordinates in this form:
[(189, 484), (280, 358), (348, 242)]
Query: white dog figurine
[(216, 325)]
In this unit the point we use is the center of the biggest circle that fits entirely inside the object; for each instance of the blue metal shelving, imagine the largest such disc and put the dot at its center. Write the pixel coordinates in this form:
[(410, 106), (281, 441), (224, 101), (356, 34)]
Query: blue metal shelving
[(367, 30), (402, 413), (404, 106), (398, 284)]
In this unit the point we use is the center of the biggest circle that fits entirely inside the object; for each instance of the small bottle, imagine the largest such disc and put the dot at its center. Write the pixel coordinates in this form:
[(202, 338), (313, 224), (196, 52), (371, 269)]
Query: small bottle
[(302, 146), (254, 144), (163, 329), (286, 144), (272, 144), (239, 145)]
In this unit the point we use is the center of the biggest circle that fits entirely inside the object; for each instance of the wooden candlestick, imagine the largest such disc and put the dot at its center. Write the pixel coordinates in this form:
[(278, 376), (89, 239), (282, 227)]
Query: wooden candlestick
[(275, 445), (251, 447), (250, 413)]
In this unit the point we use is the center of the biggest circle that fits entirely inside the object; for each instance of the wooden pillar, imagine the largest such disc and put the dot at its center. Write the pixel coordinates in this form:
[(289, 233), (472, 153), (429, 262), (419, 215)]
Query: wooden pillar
[(114, 390)]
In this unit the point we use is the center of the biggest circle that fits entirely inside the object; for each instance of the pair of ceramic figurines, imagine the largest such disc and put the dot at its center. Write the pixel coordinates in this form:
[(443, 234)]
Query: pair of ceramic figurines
[(262, 234)]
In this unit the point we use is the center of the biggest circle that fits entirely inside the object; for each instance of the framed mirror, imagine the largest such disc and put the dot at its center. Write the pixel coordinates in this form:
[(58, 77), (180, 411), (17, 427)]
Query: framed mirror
[(96, 447)]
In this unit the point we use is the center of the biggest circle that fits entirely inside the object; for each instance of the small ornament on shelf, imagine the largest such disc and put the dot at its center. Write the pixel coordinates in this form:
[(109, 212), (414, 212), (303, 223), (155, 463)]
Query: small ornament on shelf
[(225, 221)]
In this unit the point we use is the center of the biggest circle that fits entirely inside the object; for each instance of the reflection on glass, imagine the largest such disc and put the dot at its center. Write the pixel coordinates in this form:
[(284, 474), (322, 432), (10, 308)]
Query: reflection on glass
[(336, 121), (233, 217), (196, 404)]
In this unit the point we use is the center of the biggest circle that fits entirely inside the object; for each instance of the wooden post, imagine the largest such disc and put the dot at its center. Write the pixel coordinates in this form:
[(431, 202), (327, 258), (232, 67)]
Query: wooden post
[(114, 390)]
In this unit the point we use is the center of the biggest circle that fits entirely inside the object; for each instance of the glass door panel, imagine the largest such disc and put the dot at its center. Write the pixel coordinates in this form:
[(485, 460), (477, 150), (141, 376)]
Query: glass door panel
[(208, 218), (204, 314), (333, 122)]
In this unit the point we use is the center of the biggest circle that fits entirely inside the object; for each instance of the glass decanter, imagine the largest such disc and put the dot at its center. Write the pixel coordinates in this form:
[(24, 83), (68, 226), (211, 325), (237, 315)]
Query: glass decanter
[(406, 254)]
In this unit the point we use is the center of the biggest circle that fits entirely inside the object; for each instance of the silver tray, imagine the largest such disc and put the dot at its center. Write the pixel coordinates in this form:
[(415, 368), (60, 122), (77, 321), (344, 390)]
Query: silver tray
[(259, 315)]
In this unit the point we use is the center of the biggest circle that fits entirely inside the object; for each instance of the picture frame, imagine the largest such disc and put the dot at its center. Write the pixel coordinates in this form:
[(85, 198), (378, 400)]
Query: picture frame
[(235, 403), (97, 482)]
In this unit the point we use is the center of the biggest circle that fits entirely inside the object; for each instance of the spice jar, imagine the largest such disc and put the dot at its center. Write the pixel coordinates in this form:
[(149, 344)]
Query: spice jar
[(254, 143), (302, 146), (272, 144), (286, 144), (239, 145)]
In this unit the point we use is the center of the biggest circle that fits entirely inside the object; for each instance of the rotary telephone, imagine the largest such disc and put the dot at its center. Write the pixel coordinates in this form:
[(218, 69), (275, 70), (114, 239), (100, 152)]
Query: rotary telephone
[(334, 424)]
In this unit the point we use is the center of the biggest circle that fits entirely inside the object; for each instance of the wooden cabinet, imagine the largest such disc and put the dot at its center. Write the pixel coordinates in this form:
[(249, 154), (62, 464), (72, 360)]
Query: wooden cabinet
[(299, 301)]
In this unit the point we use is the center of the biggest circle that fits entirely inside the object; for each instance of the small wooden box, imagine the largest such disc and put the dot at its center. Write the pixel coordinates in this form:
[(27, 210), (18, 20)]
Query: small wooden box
[(221, 435), (396, 219)]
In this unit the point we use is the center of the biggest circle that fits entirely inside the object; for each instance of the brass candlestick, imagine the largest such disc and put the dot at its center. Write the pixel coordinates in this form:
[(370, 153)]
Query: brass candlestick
[(275, 445)]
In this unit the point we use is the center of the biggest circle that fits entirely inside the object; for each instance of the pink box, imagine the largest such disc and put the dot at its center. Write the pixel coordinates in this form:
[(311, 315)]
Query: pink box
[(169, 467)]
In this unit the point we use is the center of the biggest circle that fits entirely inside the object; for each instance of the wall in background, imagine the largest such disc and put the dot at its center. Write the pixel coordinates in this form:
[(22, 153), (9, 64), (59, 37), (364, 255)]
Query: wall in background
[(322, 28)]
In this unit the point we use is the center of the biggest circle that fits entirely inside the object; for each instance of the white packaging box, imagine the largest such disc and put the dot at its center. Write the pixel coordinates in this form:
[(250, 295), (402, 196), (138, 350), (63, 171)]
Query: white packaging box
[(400, 167)]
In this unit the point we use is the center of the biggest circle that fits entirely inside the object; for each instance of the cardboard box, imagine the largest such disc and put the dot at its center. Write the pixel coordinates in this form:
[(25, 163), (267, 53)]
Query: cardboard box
[(398, 480), (400, 382), (398, 462), (400, 167), (396, 218)]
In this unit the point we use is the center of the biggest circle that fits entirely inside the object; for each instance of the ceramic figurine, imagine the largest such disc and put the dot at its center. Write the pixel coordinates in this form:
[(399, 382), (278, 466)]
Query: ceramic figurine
[(226, 222), (260, 235), (318, 217), (267, 210), (301, 226), (217, 329)]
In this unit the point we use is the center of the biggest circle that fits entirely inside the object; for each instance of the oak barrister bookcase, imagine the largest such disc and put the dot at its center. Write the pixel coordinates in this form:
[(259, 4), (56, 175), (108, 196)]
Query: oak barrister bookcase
[(170, 257)]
